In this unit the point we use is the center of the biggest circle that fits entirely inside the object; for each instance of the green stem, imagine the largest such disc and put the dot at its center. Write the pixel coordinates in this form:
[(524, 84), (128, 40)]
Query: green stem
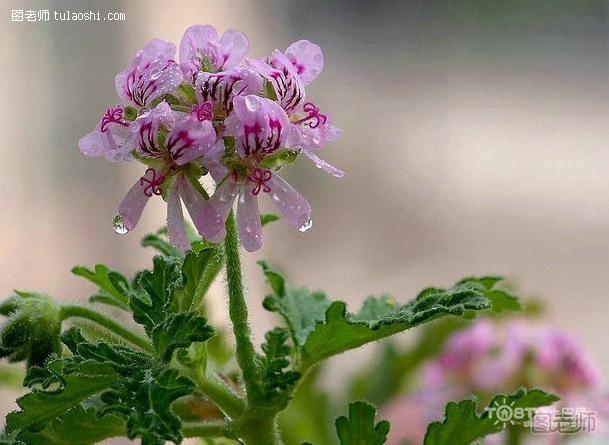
[(219, 393), (514, 435), (238, 309), (204, 429), (71, 310)]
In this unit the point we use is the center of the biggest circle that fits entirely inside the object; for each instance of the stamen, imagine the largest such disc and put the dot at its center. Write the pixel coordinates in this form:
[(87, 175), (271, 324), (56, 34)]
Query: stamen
[(202, 112), (112, 116), (153, 183), (260, 177), (313, 115)]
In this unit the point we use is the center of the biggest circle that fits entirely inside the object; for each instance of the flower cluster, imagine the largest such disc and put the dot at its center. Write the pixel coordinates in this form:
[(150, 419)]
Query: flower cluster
[(214, 111), (486, 358)]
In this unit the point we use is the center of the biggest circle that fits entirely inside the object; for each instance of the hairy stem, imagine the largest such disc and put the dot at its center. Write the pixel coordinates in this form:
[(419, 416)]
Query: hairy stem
[(219, 393), (238, 309), (71, 310), (204, 429)]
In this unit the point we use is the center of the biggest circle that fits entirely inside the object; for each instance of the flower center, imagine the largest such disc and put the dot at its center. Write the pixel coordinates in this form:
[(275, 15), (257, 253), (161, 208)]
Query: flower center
[(112, 116), (260, 178), (313, 117), (153, 187)]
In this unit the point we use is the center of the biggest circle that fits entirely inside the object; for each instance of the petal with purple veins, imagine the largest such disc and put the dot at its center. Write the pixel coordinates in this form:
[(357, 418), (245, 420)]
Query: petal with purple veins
[(198, 41), (190, 139), (232, 48), (307, 58), (248, 219)]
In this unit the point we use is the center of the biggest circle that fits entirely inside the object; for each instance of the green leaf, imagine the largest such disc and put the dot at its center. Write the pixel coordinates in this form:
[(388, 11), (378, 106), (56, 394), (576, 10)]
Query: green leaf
[(113, 287), (199, 269), (462, 424), (32, 329), (501, 300), (79, 426), (179, 331), (359, 428), (267, 218), (320, 328), (153, 291), (147, 405), (275, 378), (122, 359), (300, 308), (160, 244), (77, 384)]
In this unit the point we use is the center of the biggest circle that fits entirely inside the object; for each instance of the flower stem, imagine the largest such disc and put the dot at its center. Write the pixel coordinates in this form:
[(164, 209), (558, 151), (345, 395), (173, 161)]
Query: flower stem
[(71, 310), (238, 309), (204, 429)]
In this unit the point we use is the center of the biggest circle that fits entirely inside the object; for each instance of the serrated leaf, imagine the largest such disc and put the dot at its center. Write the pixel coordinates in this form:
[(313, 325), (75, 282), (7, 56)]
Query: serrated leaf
[(199, 269), (80, 383), (320, 328), (79, 426), (300, 308), (114, 287), (275, 377), (153, 291), (463, 424), (122, 359), (180, 331), (359, 428), (147, 405), (501, 300)]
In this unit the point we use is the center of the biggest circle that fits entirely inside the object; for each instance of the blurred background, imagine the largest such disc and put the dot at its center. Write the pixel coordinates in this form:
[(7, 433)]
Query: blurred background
[(476, 141)]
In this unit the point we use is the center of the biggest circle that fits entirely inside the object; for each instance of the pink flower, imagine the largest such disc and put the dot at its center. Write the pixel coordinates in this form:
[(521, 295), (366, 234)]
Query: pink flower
[(564, 361), (111, 138), (152, 73), (220, 88), (288, 73), (211, 114), (170, 140), (200, 45), (259, 128)]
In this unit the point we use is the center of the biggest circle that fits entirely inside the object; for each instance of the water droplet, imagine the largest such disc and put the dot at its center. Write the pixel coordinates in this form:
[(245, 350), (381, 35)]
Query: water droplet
[(306, 226), (119, 226)]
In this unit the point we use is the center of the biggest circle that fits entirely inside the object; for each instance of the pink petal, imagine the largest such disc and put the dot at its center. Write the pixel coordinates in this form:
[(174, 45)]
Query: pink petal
[(93, 144), (292, 205), (233, 46), (248, 217), (176, 231), (263, 126), (323, 164), (192, 199), (307, 58), (190, 139), (215, 211), (132, 205), (155, 48), (197, 40)]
